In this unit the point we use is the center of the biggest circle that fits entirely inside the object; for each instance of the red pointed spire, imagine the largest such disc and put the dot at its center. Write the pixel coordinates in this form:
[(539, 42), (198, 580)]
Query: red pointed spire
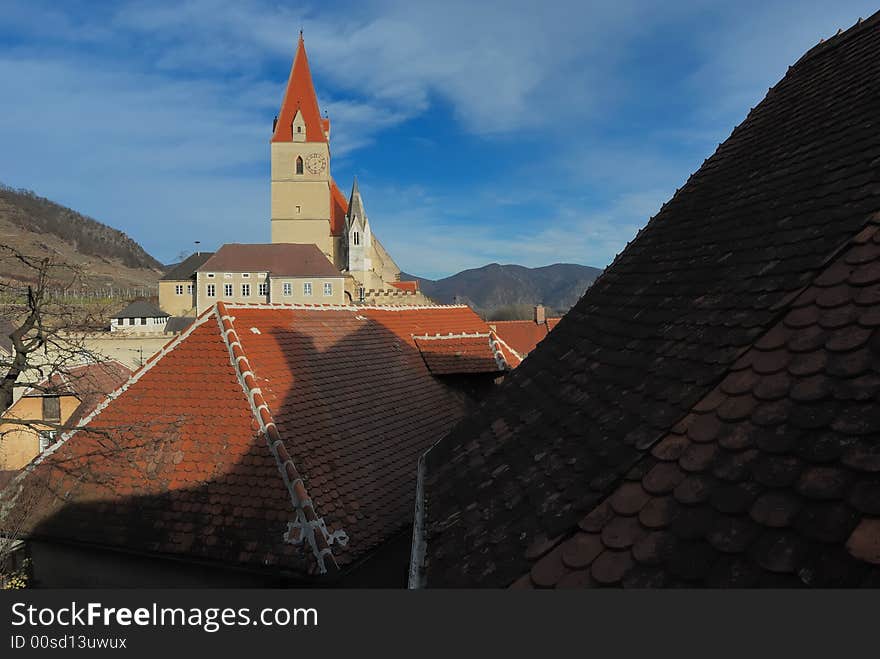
[(300, 95)]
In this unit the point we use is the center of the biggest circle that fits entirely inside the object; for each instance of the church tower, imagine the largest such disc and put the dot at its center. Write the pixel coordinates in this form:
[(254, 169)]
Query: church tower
[(307, 207)]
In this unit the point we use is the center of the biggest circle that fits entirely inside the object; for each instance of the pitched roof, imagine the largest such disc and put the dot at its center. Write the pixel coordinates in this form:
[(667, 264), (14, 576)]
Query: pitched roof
[(141, 309), (338, 209), (278, 259), (453, 354), (705, 412), (523, 335), (300, 95), (187, 268), (6, 328), (265, 435), (90, 383)]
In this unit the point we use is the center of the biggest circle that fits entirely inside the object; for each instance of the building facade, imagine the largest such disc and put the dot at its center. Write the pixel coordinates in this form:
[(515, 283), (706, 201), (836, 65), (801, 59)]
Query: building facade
[(282, 272)]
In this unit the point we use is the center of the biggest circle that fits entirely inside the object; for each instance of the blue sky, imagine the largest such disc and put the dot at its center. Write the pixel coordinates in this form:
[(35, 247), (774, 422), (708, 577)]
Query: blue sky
[(511, 132)]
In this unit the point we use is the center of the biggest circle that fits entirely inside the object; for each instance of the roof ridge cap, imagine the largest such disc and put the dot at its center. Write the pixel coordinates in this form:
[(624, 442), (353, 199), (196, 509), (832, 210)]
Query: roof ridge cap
[(304, 527), (505, 344)]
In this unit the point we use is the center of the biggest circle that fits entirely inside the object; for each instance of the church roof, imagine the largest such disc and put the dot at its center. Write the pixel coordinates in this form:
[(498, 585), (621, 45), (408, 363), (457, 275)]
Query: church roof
[(356, 203), (338, 209), (280, 436), (707, 414), (300, 95)]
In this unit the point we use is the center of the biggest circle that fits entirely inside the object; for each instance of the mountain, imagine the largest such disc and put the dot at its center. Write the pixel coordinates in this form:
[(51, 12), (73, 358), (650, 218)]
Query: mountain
[(39, 227), (495, 289)]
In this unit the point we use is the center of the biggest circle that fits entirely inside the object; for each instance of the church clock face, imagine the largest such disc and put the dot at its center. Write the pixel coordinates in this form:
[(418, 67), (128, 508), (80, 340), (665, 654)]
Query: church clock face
[(316, 163)]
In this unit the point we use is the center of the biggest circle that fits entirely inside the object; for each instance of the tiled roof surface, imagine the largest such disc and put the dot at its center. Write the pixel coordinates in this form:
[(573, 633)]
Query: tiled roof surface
[(141, 309), (90, 383), (300, 95), (663, 326), (411, 286), (773, 478), (187, 268), (279, 259), (523, 335), (179, 464), (338, 209), (445, 355)]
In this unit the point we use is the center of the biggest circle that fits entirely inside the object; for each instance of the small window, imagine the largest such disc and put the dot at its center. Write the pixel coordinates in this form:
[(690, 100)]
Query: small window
[(328, 289), (212, 290), (227, 275), (143, 321), (227, 290), (299, 129), (210, 275), (131, 321), (286, 289), (307, 288), (299, 165), (52, 408), (263, 289), (245, 275), (299, 209), (178, 289), (356, 238), (245, 290), (47, 438), (189, 289), (362, 293)]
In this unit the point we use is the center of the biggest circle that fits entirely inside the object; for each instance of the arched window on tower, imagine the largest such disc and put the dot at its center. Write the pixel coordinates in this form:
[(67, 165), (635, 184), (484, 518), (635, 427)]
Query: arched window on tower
[(299, 165), (357, 238)]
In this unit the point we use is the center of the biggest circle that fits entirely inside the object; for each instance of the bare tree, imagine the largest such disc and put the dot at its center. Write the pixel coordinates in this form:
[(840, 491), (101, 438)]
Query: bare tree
[(46, 319)]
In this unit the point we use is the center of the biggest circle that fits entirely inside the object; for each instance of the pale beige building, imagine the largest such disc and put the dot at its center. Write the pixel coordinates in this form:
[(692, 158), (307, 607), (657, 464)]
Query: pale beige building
[(177, 288), (59, 402), (276, 272)]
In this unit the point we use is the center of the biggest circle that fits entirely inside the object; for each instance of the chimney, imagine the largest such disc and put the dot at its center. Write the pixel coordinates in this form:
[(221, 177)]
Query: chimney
[(540, 318)]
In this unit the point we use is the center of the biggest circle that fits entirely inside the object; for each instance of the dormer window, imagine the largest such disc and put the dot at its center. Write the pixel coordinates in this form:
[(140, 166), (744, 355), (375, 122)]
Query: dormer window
[(299, 165), (299, 129)]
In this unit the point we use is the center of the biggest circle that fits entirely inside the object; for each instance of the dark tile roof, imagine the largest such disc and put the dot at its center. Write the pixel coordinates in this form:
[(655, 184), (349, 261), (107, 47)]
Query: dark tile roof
[(178, 324), (6, 328), (141, 309), (564, 470), (253, 429), (279, 259), (187, 268)]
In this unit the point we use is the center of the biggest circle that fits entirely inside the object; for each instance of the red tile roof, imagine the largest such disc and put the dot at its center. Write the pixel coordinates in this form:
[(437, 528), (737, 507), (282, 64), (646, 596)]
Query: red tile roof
[(300, 95), (338, 209), (523, 335), (280, 259), (410, 286), (90, 383), (460, 353), (708, 412), (265, 435)]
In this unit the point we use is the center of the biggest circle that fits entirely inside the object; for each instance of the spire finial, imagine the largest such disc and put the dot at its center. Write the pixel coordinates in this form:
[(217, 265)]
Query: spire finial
[(300, 34)]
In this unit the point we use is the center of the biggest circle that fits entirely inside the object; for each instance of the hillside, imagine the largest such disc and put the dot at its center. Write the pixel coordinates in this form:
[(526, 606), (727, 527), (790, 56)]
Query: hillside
[(38, 226), (495, 288)]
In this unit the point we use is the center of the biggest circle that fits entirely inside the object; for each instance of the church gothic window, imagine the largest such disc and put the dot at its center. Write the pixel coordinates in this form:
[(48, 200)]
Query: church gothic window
[(357, 238), (299, 165)]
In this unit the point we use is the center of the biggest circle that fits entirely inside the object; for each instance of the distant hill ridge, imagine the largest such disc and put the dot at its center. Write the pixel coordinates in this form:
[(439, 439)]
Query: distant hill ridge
[(494, 287), (89, 237)]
